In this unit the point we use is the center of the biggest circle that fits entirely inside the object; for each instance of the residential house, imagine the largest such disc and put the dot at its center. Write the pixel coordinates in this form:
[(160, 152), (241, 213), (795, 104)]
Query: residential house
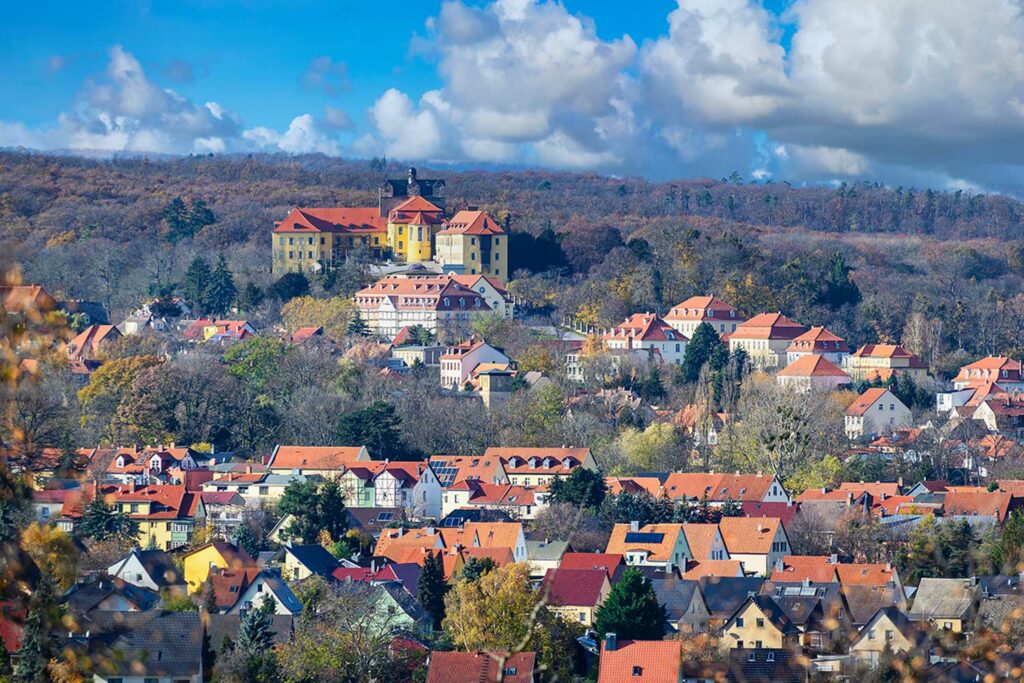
[(223, 512), (818, 610), (721, 488), (864, 601), (166, 647), (312, 239), (647, 335), (166, 515), (517, 502), (458, 362), (653, 545), (477, 667), (883, 362), (326, 461), (815, 569), (812, 372), (876, 575), (301, 561), (237, 591), (993, 369), (1002, 602), (876, 411), (392, 542), (493, 291), (151, 465), (438, 303), (684, 603), (724, 595), (91, 342), (373, 520), (454, 469), (1003, 414), (758, 623), (609, 562), (498, 535), (946, 604), (705, 542), (473, 243), (358, 483), (412, 228), (544, 555), (818, 341), (756, 542), (539, 466), (412, 486), (889, 629), (688, 315), (695, 571), (151, 569), (47, 504), (766, 338), (255, 488), (650, 661), (575, 594), (218, 331), (978, 506), (104, 594), (766, 665), (197, 563)]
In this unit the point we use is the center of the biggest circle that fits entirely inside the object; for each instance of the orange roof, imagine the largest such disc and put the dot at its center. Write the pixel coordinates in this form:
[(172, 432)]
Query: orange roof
[(768, 326), (749, 535), (815, 568), (889, 351), (697, 307), (25, 298), (413, 205), (698, 570), (472, 223), (89, 340), (496, 534), (421, 293), (865, 401), (819, 340), (658, 661), (989, 369), (458, 468), (659, 546), (650, 485), (719, 487), (606, 561), (314, 457), (644, 327), (812, 365), (500, 556), (470, 281), (824, 494), (395, 540), (517, 460), (866, 574), (701, 539), (994, 504), (338, 219), (877, 489)]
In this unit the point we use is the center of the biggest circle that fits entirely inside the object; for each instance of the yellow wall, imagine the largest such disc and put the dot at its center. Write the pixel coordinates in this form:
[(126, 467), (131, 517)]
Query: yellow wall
[(291, 251), (411, 243), (197, 567), (750, 632)]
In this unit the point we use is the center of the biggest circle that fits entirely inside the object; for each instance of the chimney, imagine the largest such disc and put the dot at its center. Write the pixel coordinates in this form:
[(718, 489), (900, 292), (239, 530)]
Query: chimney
[(248, 469), (430, 531), (779, 564), (888, 566), (833, 559), (807, 582), (634, 526), (611, 642)]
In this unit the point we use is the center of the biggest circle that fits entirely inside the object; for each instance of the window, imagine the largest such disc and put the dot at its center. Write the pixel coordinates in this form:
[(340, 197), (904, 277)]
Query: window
[(758, 644), (871, 634), (323, 241), (888, 635), (291, 240), (134, 507), (760, 624), (259, 587), (739, 622), (638, 670), (310, 240), (751, 657), (511, 671), (770, 657), (45, 513), (583, 617), (310, 254), (264, 490)]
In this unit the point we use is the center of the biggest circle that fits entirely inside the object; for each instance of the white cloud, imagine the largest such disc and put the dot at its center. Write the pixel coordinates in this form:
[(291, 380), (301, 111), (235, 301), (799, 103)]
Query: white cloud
[(305, 135)]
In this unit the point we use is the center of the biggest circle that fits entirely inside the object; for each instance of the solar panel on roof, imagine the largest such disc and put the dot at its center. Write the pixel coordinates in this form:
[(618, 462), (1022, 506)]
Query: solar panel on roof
[(644, 537)]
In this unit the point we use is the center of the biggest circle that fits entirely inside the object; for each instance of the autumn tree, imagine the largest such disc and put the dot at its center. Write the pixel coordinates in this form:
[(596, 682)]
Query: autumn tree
[(53, 551), (332, 314)]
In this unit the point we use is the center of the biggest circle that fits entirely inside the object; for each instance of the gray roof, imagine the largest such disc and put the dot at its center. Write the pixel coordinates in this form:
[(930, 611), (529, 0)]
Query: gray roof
[(283, 592), (765, 665), (801, 603), (160, 567), (150, 644), (676, 595), (313, 557), (865, 601), (943, 598), (86, 597), (900, 620), (550, 551), (725, 594)]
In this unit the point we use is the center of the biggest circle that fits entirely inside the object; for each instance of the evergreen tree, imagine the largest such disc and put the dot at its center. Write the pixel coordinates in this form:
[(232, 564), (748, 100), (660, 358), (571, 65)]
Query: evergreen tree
[(431, 588), (210, 599), (254, 645), (35, 651), (475, 568), (250, 297), (732, 508), (631, 610), (704, 345), (1008, 551), (357, 326), (316, 508), (377, 428), (197, 279), (289, 286), (220, 293), (839, 288), (582, 487), (199, 216), (101, 522), (176, 216)]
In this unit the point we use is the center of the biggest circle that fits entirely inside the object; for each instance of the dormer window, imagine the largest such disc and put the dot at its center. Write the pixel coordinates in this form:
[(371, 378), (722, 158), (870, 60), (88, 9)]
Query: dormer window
[(711, 314), (533, 463), (120, 461)]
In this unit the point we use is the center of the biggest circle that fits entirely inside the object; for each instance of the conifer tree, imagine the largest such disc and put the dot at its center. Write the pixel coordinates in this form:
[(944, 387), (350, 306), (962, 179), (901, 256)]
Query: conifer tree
[(197, 279), (631, 610), (357, 326), (34, 653), (220, 292), (431, 588)]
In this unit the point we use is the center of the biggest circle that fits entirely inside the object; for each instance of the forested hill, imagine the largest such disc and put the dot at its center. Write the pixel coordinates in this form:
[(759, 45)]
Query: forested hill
[(50, 194), (941, 272)]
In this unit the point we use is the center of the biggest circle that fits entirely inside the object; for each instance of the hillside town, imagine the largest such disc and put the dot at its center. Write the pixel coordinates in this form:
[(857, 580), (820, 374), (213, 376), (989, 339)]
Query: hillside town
[(433, 480)]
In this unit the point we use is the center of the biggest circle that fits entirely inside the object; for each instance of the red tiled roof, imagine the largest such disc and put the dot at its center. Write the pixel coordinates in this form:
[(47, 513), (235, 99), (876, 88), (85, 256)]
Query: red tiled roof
[(584, 561), (812, 365), (339, 219), (819, 340), (89, 340), (574, 587), (865, 401), (480, 667), (472, 223), (815, 568), (698, 570), (768, 326), (719, 487), (864, 574), (315, 457), (645, 327), (889, 351), (421, 293), (659, 661), (748, 535), (697, 307), (782, 511), (977, 504), (12, 621)]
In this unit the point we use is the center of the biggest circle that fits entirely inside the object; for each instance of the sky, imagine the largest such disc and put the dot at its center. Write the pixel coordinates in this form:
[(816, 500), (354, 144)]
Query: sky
[(924, 93)]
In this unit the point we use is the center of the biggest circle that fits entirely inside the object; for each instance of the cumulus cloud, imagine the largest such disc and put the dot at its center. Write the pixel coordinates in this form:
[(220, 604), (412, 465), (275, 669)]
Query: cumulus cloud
[(326, 75), (124, 110)]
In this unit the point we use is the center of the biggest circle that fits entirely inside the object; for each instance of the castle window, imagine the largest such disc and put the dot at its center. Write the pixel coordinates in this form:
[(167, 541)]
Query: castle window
[(291, 240)]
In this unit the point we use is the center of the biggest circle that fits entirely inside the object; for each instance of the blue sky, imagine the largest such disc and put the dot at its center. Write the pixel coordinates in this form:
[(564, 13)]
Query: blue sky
[(916, 92)]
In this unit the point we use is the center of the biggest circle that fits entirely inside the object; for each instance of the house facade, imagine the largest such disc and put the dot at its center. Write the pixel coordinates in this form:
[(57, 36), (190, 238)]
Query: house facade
[(311, 239), (766, 338), (877, 411), (473, 243), (688, 315), (437, 303), (647, 334)]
